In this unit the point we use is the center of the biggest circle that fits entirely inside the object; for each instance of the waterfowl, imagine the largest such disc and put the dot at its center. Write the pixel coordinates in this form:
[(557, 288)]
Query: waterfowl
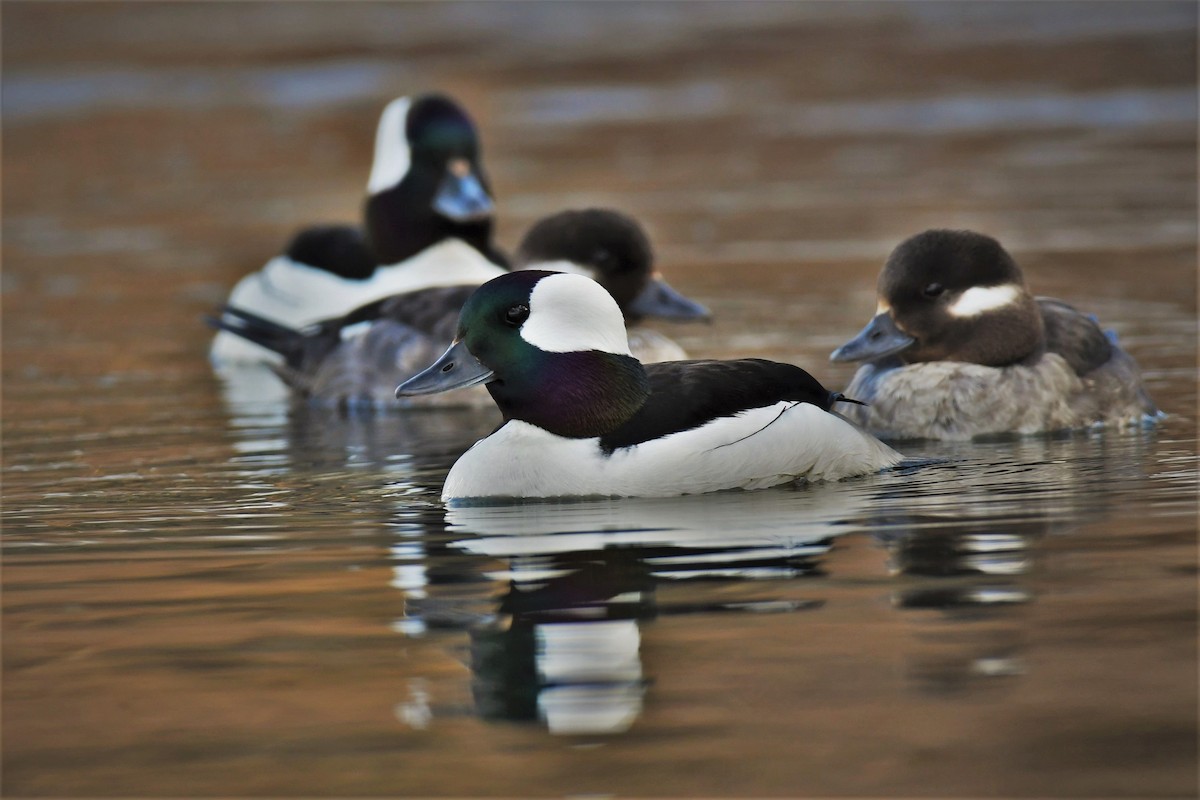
[(357, 360), (583, 417), (613, 249), (428, 223), (959, 348)]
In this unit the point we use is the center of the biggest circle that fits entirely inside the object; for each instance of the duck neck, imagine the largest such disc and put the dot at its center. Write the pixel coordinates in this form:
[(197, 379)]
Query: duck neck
[(399, 227), (577, 395)]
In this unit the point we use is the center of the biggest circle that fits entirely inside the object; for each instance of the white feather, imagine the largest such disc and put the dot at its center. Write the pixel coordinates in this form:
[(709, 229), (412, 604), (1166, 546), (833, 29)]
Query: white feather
[(569, 313), (295, 294), (392, 157), (563, 265), (979, 299), (753, 450)]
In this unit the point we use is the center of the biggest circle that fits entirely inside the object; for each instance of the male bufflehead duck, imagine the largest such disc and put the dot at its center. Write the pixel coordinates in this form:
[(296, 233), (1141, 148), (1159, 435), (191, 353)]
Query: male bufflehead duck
[(959, 348), (428, 224), (357, 360), (612, 249), (583, 417)]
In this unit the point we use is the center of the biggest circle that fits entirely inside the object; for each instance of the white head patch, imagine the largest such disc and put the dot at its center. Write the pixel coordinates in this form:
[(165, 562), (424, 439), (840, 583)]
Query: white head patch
[(561, 266), (979, 299), (391, 147), (568, 313)]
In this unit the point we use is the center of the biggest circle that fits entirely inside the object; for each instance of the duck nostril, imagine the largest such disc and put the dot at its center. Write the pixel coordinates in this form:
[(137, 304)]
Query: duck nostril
[(448, 367)]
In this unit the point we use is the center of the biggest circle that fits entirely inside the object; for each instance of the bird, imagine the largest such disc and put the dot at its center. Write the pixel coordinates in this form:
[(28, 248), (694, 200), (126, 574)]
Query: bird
[(612, 248), (427, 223), (355, 361), (959, 349), (583, 417)]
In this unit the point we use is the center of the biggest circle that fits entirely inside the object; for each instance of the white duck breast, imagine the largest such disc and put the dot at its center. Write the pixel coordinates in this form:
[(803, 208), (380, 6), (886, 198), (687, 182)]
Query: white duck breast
[(756, 449)]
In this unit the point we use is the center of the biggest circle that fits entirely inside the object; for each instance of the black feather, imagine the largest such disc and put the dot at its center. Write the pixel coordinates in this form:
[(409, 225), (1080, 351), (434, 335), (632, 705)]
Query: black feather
[(687, 394)]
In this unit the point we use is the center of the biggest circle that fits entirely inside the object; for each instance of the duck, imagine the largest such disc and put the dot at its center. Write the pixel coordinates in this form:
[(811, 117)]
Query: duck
[(428, 220), (583, 418), (959, 349), (356, 360), (612, 248)]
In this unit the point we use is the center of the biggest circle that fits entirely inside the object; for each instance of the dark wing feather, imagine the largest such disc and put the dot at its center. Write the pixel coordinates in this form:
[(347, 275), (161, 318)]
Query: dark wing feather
[(687, 394), (396, 322), (1074, 336)]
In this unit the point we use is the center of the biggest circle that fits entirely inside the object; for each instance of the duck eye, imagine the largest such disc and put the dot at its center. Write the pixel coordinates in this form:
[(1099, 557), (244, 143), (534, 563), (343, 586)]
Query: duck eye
[(515, 315), (933, 290)]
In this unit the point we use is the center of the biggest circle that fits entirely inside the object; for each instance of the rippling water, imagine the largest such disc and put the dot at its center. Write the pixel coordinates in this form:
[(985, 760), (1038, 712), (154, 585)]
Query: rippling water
[(209, 592)]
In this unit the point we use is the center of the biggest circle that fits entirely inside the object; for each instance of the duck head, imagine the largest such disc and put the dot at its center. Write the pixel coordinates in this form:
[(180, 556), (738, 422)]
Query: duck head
[(552, 350), (612, 249), (427, 181), (947, 295)]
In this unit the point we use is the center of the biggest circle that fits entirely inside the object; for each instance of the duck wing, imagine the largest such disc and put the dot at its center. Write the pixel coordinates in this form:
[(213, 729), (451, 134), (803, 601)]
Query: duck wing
[(687, 394), (1074, 336)]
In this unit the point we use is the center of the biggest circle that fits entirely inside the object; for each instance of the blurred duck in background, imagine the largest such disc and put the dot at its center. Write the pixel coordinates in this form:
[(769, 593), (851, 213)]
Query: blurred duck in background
[(428, 223), (355, 361), (960, 349)]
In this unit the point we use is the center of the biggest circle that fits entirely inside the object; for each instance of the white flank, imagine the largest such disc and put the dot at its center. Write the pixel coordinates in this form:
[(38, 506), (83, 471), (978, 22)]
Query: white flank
[(979, 299), (753, 450), (569, 313), (391, 147), (450, 262), (295, 294)]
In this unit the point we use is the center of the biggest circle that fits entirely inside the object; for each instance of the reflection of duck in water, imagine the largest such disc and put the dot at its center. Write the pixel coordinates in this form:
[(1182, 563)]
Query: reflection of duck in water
[(964, 538), (585, 418), (960, 349), (583, 577)]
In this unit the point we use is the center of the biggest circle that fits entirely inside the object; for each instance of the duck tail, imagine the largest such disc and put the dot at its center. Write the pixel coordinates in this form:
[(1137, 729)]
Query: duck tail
[(288, 342), (838, 397)]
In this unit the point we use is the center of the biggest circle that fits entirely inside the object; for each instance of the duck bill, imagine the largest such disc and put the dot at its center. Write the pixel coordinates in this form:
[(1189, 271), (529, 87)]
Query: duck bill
[(456, 369), (660, 299), (461, 196), (880, 338)]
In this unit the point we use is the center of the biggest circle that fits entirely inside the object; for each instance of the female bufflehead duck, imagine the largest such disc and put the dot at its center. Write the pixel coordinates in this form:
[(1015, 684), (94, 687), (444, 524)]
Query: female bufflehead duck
[(613, 250), (357, 360), (959, 349), (583, 417), (428, 223)]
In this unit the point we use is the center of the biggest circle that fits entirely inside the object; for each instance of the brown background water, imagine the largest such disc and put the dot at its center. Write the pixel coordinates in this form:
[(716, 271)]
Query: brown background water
[(204, 596)]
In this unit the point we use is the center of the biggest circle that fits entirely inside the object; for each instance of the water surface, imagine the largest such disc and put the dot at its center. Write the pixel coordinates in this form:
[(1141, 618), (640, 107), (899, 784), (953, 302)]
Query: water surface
[(206, 594)]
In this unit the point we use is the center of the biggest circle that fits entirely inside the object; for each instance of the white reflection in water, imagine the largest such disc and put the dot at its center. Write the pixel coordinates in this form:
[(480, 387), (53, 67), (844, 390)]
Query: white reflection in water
[(581, 578)]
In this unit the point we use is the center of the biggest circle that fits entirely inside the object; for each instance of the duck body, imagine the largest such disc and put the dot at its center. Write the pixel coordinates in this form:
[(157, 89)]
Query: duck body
[(428, 224), (959, 349), (583, 417), (356, 360)]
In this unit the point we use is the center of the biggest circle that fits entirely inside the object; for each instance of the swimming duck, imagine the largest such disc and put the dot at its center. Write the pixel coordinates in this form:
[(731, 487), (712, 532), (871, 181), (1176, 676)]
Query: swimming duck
[(583, 417), (612, 249), (959, 348), (428, 217), (356, 360)]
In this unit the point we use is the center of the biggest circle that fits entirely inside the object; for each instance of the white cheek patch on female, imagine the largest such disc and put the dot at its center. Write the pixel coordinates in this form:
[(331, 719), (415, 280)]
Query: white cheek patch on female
[(981, 299), (391, 148), (570, 313)]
